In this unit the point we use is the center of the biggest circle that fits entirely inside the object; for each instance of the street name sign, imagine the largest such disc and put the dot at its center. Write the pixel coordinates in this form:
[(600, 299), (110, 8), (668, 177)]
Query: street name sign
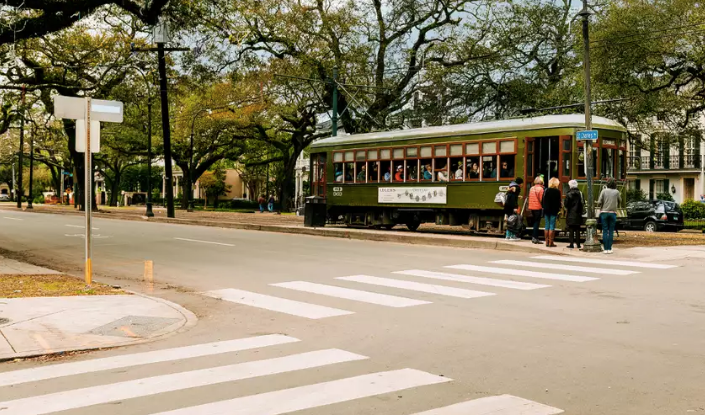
[(586, 135)]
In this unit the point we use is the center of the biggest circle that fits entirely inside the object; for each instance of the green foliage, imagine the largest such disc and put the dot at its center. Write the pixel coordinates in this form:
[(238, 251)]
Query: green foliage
[(213, 183), (665, 196), (38, 198), (693, 210), (135, 177), (243, 204), (636, 195)]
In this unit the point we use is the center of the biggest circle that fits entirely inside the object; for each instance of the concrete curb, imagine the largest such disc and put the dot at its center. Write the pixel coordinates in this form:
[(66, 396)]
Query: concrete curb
[(190, 320), (453, 241)]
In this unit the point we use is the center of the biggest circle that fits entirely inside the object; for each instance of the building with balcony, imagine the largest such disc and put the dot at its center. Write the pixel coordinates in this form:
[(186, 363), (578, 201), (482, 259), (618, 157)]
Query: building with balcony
[(663, 163)]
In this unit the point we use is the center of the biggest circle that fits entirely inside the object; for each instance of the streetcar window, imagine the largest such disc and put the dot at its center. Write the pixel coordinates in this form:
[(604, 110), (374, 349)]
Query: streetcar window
[(441, 151), (426, 167), (472, 149), (472, 166), (608, 162), (398, 153), (621, 165), (360, 156), (399, 171), (373, 171), (385, 154), (581, 161), (441, 169), (506, 146), (425, 152), (385, 170), (506, 166), (456, 149), (349, 156), (412, 170), (337, 157), (489, 147), (372, 155), (489, 167), (411, 152), (338, 168), (361, 169), (456, 165), (349, 172)]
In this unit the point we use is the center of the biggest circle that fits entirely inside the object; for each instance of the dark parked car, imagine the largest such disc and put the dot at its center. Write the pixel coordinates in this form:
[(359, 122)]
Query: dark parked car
[(652, 216)]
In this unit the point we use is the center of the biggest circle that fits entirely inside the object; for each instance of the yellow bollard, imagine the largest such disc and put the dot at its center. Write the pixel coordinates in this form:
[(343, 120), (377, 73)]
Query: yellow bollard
[(149, 274)]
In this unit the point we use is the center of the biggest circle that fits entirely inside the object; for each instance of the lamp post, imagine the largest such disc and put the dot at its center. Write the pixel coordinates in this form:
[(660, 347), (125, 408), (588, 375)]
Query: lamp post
[(591, 244)]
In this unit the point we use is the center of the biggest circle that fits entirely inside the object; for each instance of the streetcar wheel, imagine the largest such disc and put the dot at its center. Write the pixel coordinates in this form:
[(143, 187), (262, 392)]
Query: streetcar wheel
[(413, 226)]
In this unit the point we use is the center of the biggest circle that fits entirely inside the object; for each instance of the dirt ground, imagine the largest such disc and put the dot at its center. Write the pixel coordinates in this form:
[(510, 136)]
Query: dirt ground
[(18, 286)]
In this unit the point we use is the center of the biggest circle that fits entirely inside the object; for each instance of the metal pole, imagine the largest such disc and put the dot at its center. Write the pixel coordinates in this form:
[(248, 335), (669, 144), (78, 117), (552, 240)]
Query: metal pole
[(20, 190), (149, 212), (190, 169), (591, 245), (88, 191), (166, 132), (334, 118), (31, 171), (702, 167)]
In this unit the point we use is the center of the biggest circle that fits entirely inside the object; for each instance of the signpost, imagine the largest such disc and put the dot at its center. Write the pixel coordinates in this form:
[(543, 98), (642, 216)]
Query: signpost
[(586, 135), (88, 114)]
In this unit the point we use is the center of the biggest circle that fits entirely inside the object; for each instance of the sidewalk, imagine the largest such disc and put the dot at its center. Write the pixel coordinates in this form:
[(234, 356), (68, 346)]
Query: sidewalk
[(35, 326)]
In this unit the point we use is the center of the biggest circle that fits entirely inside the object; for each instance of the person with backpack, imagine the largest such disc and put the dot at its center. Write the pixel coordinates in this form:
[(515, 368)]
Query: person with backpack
[(536, 208), (551, 208), (574, 206), (511, 208)]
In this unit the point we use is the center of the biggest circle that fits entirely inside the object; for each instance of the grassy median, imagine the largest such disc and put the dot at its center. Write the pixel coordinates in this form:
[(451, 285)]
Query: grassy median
[(19, 286)]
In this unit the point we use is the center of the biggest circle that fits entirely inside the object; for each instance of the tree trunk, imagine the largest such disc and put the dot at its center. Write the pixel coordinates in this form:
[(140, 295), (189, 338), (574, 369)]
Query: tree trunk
[(115, 190), (185, 189), (288, 180)]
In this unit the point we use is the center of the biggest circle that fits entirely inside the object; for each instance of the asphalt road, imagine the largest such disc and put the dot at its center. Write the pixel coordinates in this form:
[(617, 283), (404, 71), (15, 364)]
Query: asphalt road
[(599, 339)]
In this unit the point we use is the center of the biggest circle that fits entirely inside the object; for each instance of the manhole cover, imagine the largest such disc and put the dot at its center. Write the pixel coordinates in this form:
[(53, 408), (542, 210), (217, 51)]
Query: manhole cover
[(4, 320)]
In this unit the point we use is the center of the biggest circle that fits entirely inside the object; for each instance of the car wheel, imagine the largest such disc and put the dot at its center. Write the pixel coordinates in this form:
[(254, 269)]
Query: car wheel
[(650, 226)]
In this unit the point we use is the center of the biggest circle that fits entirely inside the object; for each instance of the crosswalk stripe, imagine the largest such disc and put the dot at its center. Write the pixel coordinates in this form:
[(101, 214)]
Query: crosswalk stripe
[(80, 398), (317, 395), (350, 294), (128, 360), (282, 305), (634, 264), (563, 267), (473, 280), (522, 273), (495, 405), (417, 286)]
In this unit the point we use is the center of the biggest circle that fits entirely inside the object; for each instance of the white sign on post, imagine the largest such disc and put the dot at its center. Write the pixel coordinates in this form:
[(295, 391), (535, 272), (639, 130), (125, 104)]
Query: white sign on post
[(88, 114)]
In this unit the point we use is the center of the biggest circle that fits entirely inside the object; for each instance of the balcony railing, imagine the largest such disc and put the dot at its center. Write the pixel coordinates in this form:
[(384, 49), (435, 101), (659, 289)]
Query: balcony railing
[(673, 163)]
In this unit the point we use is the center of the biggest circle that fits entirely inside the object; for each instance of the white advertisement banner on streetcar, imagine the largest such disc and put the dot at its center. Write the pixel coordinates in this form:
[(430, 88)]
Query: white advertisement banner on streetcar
[(435, 195)]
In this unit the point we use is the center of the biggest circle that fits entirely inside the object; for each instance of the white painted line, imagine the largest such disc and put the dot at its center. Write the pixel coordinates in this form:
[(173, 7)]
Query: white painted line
[(349, 294), (516, 285), (282, 305), (203, 242), (562, 267), (317, 395), (605, 262), (127, 360), (7, 217), (417, 286), (495, 405), (522, 273), (81, 398), (82, 227)]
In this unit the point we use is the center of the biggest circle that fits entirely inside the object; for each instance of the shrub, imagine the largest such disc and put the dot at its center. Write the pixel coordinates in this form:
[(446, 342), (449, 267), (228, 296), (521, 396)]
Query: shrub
[(665, 196), (635, 195), (242, 204), (693, 210), (38, 199)]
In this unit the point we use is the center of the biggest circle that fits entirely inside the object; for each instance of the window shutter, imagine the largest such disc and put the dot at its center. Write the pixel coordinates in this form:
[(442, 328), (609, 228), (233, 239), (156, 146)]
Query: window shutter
[(651, 189)]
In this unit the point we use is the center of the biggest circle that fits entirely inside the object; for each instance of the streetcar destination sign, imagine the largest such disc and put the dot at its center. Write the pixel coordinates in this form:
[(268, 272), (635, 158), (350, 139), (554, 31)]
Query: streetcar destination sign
[(586, 135)]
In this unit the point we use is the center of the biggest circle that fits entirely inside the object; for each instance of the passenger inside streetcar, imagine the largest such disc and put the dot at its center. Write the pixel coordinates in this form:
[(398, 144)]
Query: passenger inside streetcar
[(442, 171), (459, 172), (427, 175), (399, 175), (411, 173), (362, 174), (474, 172)]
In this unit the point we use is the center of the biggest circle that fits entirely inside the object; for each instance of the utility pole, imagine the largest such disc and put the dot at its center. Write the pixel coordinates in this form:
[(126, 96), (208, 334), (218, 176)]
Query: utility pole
[(591, 245), (149, 212), (31, 171), (334, 117), (20, 191)]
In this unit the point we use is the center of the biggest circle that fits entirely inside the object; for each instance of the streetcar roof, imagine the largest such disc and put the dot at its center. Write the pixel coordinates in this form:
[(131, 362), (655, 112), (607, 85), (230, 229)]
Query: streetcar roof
[(484, 127)]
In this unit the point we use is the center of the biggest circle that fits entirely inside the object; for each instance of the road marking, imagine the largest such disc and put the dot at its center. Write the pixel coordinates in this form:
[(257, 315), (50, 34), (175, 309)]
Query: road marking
[(82, 227), (495, 405), (204, 242), (282, 305), (522, 273), (350, 294), (81, 398), (473, 280), (544, 265), (605, 262), (417, 286), (7, 217), (136, 359), (317, 395)]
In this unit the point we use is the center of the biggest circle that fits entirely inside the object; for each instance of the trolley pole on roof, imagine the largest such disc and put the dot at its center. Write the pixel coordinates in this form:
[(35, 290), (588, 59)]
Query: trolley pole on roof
[(334, 116), (591, 245)]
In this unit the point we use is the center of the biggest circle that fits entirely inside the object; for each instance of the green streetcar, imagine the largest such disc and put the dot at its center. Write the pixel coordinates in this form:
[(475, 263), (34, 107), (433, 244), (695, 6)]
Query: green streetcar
[(450, 175)]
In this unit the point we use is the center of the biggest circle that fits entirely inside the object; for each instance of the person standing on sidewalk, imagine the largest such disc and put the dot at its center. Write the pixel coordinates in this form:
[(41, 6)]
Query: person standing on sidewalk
[(535, 206), (261, 202), (270, 206), (511, 208), (608, 204), (551, 208), (574, 206)]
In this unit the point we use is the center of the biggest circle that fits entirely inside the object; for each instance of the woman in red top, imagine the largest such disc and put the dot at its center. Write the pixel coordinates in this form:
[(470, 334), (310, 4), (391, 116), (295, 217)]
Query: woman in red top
[(535, 206), (399, 175)]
